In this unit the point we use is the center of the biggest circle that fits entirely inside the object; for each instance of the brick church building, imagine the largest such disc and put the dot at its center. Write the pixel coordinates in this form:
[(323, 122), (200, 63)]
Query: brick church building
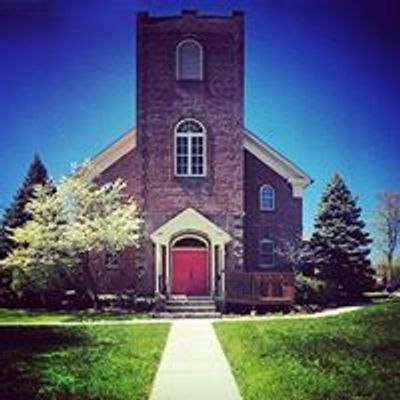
[(218, 203)]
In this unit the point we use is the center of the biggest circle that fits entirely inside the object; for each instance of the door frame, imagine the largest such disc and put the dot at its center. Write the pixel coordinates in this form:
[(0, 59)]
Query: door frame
[(209, 274)]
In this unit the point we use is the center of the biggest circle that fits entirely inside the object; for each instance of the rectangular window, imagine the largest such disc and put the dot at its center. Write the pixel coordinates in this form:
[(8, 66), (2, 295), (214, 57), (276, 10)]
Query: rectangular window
[(197, 155), (190, 155), (182, 159), (266, 253)]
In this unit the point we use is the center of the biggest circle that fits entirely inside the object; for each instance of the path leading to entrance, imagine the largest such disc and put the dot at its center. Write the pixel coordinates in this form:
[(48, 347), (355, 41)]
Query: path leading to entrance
[(194, 366)]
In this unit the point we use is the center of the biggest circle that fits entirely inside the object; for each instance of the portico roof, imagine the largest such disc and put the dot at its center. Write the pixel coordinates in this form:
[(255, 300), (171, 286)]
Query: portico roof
[(190, 220)]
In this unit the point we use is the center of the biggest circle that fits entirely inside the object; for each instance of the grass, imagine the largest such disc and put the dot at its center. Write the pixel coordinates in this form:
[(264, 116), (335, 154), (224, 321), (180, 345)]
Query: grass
[(80, 363), (18, 316), (351, 356)]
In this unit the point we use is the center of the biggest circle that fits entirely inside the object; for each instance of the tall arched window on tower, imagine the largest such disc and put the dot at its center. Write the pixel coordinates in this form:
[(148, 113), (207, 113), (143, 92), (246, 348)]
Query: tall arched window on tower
[(189, 60), (190, 148), (267, 198)]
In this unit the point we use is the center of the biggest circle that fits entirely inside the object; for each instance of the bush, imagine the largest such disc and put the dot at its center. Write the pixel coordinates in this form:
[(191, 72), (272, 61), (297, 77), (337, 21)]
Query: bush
[(310, 290)]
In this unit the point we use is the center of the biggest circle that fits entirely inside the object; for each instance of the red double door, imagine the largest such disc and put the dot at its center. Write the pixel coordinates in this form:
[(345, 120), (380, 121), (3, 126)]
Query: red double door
[(190, 271)]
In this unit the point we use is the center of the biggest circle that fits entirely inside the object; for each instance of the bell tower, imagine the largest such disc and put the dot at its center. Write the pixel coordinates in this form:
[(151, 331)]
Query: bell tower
[(190, 116)]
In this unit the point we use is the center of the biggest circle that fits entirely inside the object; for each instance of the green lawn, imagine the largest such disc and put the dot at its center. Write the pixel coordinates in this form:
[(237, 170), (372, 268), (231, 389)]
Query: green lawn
[(352, 356), (16, 316), (85, 363)]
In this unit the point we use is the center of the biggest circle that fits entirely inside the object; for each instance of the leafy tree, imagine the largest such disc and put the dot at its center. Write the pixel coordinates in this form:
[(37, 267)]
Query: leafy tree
[(15, 216), (387, 227), (339, 246), (65, 226)]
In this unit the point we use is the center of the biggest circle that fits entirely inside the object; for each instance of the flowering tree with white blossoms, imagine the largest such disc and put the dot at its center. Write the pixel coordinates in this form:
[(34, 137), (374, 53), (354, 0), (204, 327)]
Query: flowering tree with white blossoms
[(66, 225)]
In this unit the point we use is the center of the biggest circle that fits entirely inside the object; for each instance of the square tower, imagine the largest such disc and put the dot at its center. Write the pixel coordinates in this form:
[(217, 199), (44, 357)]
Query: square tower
[(190, 115)]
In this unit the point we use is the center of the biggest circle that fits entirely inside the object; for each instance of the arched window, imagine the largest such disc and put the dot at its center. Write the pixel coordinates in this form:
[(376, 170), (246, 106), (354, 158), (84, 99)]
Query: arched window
[(267, 198), (190, 148), (189, 61), (266, 253)]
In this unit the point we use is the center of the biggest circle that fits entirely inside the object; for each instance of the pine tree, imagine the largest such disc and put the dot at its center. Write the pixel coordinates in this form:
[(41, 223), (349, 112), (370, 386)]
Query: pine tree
[(339, 246), (16, 215)]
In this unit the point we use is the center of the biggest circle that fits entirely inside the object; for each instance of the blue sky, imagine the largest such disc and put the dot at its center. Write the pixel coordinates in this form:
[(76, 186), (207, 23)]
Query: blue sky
[(321, 78)]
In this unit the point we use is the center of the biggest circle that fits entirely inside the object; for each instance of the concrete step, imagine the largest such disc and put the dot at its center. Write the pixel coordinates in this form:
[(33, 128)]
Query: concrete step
[(190, 302), (177, 315), (190, 308)]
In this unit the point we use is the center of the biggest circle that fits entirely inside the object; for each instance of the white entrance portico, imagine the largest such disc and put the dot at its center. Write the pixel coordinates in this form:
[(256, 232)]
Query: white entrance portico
[(190, 224)]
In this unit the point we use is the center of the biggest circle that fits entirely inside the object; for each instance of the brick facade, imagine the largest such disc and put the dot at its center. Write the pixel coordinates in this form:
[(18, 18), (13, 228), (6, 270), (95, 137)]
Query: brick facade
[(283, 225), (229, 194), (216, 101)]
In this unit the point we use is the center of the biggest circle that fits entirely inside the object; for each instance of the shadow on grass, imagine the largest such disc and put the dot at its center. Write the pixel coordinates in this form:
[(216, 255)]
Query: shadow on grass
[(22, 350), (14, 316), (102, 316)]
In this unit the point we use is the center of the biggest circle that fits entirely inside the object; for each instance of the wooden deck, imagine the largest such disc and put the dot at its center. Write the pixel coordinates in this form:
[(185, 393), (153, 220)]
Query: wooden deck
[(268, 288)]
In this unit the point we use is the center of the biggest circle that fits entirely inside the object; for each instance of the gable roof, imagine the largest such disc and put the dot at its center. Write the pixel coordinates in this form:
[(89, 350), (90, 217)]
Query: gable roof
[(190, 220), (275, 160), (112, 153), (252, 143)]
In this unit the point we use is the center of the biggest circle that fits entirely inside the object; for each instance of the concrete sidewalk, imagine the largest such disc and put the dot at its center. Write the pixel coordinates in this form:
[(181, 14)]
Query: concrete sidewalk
[(194, 366)]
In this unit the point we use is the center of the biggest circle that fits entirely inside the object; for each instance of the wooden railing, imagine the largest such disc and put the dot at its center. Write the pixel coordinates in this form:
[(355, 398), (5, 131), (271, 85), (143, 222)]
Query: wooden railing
[(259, 287)]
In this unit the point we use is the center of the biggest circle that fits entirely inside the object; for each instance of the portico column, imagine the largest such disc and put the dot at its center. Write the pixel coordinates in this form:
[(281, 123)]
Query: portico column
[(222, 269), (158, 267), (167, 269), (212, 275)]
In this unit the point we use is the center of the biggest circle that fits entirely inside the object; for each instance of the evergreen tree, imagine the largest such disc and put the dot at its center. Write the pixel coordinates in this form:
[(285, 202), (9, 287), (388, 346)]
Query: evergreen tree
[(339, 246), (16, 215)]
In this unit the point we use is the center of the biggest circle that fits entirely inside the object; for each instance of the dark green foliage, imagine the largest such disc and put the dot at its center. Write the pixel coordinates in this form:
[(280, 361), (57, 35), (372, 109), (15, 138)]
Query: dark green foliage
[(339, 247), (346, 357), (16, 216)]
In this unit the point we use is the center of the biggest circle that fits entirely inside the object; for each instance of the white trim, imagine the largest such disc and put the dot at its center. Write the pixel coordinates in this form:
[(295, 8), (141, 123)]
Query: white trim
[(189, 236), (158, 268), (167, 269), (189, 221), (190, 135), (261, 197), (111, 154), (222, 266), (265, 153), (200, 47), (277, 162)]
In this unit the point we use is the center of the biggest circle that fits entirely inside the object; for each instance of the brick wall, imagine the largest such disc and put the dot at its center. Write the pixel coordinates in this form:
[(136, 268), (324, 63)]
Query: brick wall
[(280, 225), (217, 102)]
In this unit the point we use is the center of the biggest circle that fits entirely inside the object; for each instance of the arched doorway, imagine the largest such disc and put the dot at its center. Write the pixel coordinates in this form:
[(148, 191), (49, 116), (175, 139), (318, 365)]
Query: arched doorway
[(190, 266)]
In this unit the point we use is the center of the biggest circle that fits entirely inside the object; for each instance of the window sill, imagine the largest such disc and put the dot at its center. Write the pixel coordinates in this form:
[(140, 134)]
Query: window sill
[(190, 176)]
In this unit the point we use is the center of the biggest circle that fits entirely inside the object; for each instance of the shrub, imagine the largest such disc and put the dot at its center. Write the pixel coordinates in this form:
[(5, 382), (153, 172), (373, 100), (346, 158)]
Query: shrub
[(310, 290)]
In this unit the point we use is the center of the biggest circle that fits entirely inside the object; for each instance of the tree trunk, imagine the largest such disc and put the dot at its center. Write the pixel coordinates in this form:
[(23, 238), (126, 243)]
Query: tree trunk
[(43, 301), (389, 269), (90, 280)]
